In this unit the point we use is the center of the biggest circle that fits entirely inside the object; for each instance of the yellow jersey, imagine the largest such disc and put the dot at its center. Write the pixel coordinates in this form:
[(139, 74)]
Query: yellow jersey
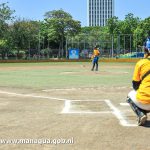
[(143, 92), (96, 52)]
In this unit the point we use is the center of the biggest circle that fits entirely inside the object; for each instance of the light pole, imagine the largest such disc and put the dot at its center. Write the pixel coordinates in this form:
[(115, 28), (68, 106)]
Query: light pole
[(39, 38), (112, 46), (39, 45)]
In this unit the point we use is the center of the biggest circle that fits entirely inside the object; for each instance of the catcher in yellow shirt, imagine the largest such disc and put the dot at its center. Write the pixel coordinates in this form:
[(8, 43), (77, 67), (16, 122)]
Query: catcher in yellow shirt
[(139, 98), (95, 58)]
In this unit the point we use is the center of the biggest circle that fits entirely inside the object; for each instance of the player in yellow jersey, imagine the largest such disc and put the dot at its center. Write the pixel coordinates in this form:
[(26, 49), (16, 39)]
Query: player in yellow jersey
[(95, 58), (139, 98)]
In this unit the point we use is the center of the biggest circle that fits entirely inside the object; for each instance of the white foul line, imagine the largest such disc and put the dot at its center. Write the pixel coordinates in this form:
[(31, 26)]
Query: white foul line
[(30, 95), (117, 113), (44, 97)]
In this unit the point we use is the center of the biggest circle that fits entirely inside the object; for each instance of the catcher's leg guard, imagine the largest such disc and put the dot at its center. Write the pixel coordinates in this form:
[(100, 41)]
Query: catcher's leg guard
[(141, 114), (138, 111)]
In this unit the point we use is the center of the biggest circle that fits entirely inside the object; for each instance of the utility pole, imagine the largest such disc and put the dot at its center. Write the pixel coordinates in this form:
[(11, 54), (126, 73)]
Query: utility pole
[(39, 45), (112, 46)]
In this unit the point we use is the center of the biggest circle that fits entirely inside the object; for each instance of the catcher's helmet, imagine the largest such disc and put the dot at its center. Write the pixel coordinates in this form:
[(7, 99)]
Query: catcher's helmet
[(146, 50)]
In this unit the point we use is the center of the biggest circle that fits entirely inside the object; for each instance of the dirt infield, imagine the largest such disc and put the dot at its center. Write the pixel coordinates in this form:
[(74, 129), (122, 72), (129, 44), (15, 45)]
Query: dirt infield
[(95, 117), (41, 118)]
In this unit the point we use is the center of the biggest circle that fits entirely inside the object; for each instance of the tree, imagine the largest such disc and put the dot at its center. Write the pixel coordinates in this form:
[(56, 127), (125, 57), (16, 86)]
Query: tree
[(59, 24), (113, 28), (112, 25), (142, 31), (129, 24), (5, 17), (25, 35)]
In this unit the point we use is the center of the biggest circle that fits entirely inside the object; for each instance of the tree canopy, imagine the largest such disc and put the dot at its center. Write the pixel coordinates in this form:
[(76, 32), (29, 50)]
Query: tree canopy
[(41, 37)]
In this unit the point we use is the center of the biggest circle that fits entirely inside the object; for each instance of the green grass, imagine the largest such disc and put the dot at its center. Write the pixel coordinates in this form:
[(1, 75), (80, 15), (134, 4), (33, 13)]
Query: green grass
[(108, 75)]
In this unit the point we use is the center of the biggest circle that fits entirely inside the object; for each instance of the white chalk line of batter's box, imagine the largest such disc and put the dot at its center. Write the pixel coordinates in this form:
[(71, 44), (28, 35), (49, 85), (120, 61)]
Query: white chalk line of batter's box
[(68, 103), (124, 104), (114, 110), (119, 115)]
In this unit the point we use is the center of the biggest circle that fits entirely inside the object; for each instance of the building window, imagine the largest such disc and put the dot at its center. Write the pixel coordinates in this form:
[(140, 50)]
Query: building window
[(99, 11)]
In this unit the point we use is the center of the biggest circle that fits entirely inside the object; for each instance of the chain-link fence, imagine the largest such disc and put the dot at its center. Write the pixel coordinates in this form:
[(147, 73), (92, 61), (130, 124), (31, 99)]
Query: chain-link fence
[(121, 45), (110, 46)]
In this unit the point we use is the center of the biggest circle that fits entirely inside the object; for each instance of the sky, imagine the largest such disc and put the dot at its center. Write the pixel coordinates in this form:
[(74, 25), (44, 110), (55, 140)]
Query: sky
[(35, 9)]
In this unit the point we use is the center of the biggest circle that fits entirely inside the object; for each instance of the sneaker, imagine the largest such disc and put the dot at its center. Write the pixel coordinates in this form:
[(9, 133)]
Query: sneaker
[(142, 120)]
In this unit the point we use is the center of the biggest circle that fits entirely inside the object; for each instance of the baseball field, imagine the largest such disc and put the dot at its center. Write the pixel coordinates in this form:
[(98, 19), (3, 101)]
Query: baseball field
[(66, 106)]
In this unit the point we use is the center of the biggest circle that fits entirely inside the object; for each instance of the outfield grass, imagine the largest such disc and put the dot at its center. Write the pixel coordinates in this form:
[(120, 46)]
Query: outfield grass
[(64, 75)]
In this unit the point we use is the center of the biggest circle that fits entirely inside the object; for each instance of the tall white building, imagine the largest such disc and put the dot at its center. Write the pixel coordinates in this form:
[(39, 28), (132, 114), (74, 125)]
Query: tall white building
[(99, 11)]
